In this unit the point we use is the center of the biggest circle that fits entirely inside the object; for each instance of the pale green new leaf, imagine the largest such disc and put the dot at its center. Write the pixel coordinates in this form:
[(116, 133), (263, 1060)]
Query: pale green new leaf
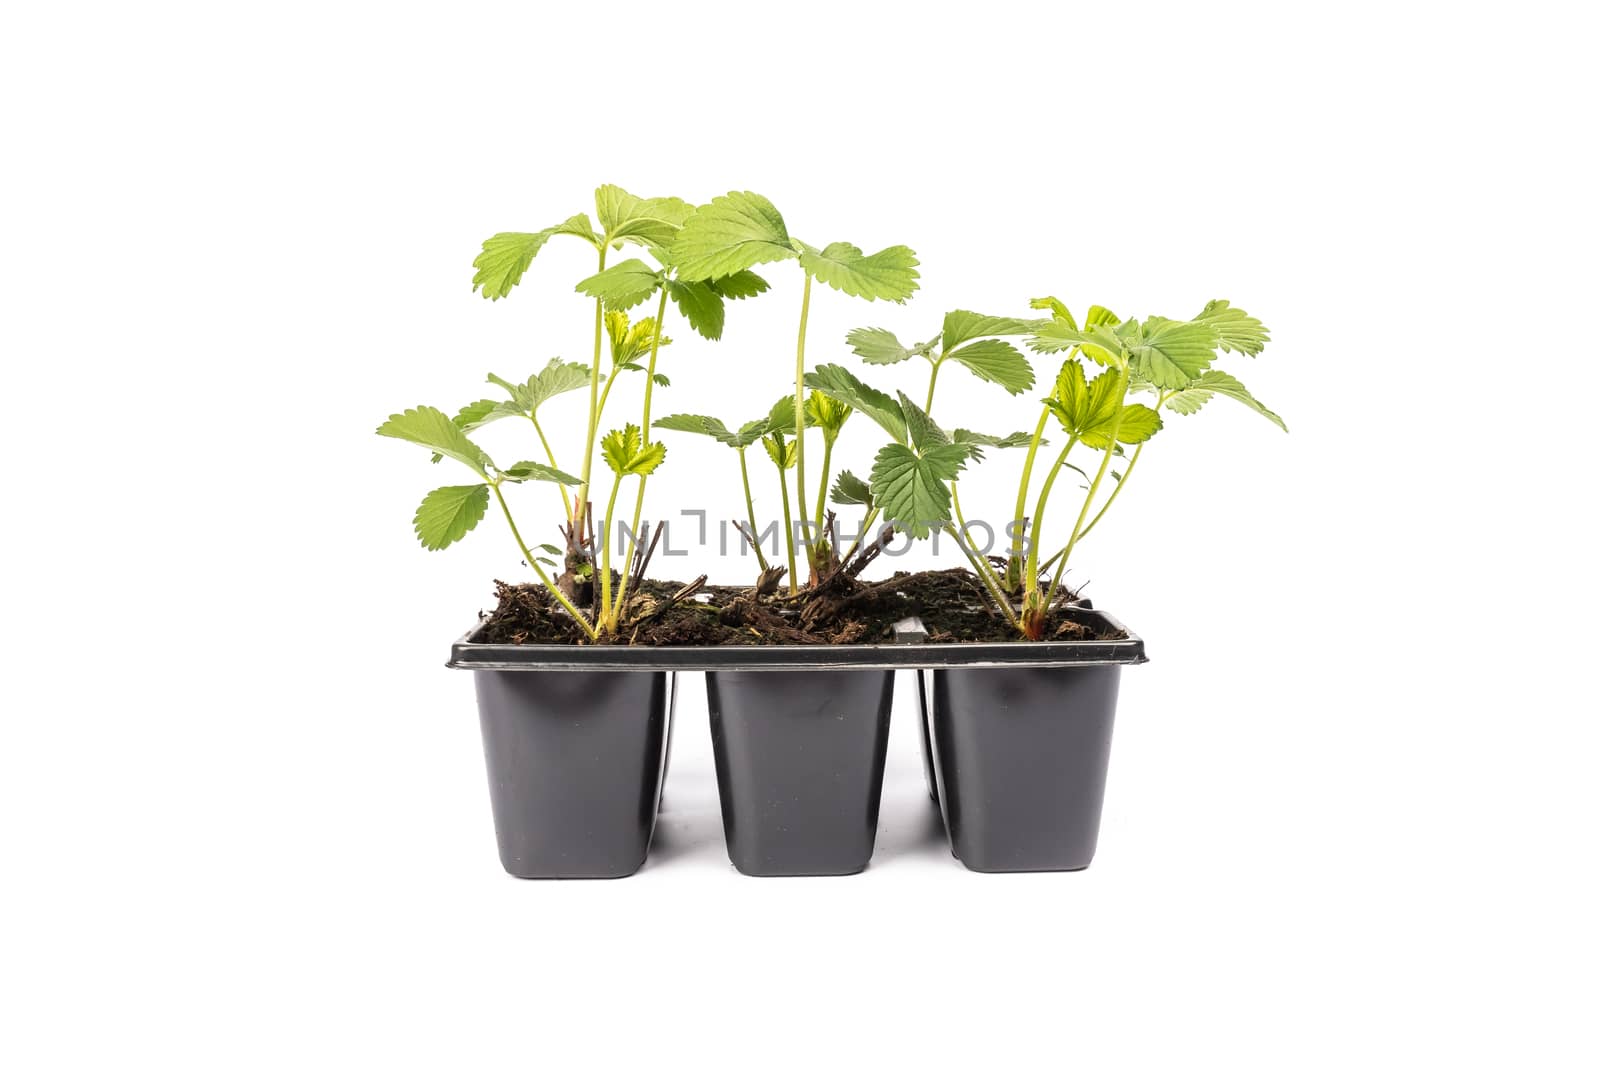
[(447, 514), (529, 471), (826, 413), (1056, 308), (874, 344), (849, 489), (732, 233), (1169, 354), (623, 285), (433, 429), (889, 274), (506, 256), (1217, 383), (701, 305), (996, 361), (910, 488), (1236, 331), (652, 222), (962, 326), (625, 453), (843, 386), (783, 453)]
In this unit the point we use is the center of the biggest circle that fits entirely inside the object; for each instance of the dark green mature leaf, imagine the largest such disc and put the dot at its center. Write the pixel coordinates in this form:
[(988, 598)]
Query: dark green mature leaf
[(447, 514), (704, 424), (731, 234), (1217, 383), (925, 433), (849, 489), (652, 223), (910, 487), (558, 376), (996, 361), (623, 285), (1236, 331), (876, 345), (889, 274), (506, 256), (433, 429), (529, 471), (701, 305), (740, 285), (962, 326), (976, 442), (1169, 354), (748, 434), (843, 386)]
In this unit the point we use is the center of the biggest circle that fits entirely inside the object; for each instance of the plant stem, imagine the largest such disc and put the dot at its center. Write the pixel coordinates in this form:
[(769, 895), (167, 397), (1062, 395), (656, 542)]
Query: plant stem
[(933, 377), (1022, 494), (566, 500), (822, 487), (982, 568), (750, 509), (1030, 574), (1161, 398), (788, 530), (955, 500), (638, 500), (594, 394), (1094, 486), (608, 618), (543, 577), (866, 524), (800, 412)]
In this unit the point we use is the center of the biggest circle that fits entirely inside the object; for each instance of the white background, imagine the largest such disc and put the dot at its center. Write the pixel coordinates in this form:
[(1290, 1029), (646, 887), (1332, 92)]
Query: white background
[(1352, 808)]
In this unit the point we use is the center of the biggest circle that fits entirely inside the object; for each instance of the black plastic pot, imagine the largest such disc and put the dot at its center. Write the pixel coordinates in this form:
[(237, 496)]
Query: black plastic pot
[(1019, 758), (576, 761), (799, 759), (1016, 738)]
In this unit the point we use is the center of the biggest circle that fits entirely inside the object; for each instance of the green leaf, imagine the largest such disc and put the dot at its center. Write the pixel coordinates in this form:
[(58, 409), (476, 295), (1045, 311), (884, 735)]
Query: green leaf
[(652, 222), (707, 425), (629, 341), (558, 377), (447, 514), (622, 286), (740, 285), (876, 345), (748, 434), (529, 471), (661, 380), (701, 305), (976, 442), (1088, 409), (731, 234), (1236, 331), (506, 256), (925, 433), (625, 453), (433, 429), (962, 326), (910, 488), (827, 413), (845, 387), (1056, 308), (1217, 383), (1169, 354), (783, 453), (849, 489), (996, 361), (482, 412), (890, 274)]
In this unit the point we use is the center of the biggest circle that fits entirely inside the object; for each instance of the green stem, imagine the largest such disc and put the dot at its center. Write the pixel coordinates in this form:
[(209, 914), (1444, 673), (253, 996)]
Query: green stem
[(982, 568), (566, 500), (1022, 491), (1094, 486), (638, 500), (955, 501), (543, 577), (866, 524), (927, 407), (800, 411), (1133, 461), (608, 618), (788, 530), (594, 400), (822, 488), (1030, 574), (750, 510)]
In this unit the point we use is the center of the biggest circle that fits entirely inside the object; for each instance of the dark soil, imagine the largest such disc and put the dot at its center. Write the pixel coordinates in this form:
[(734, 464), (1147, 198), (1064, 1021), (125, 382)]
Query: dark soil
[(952, 605)]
